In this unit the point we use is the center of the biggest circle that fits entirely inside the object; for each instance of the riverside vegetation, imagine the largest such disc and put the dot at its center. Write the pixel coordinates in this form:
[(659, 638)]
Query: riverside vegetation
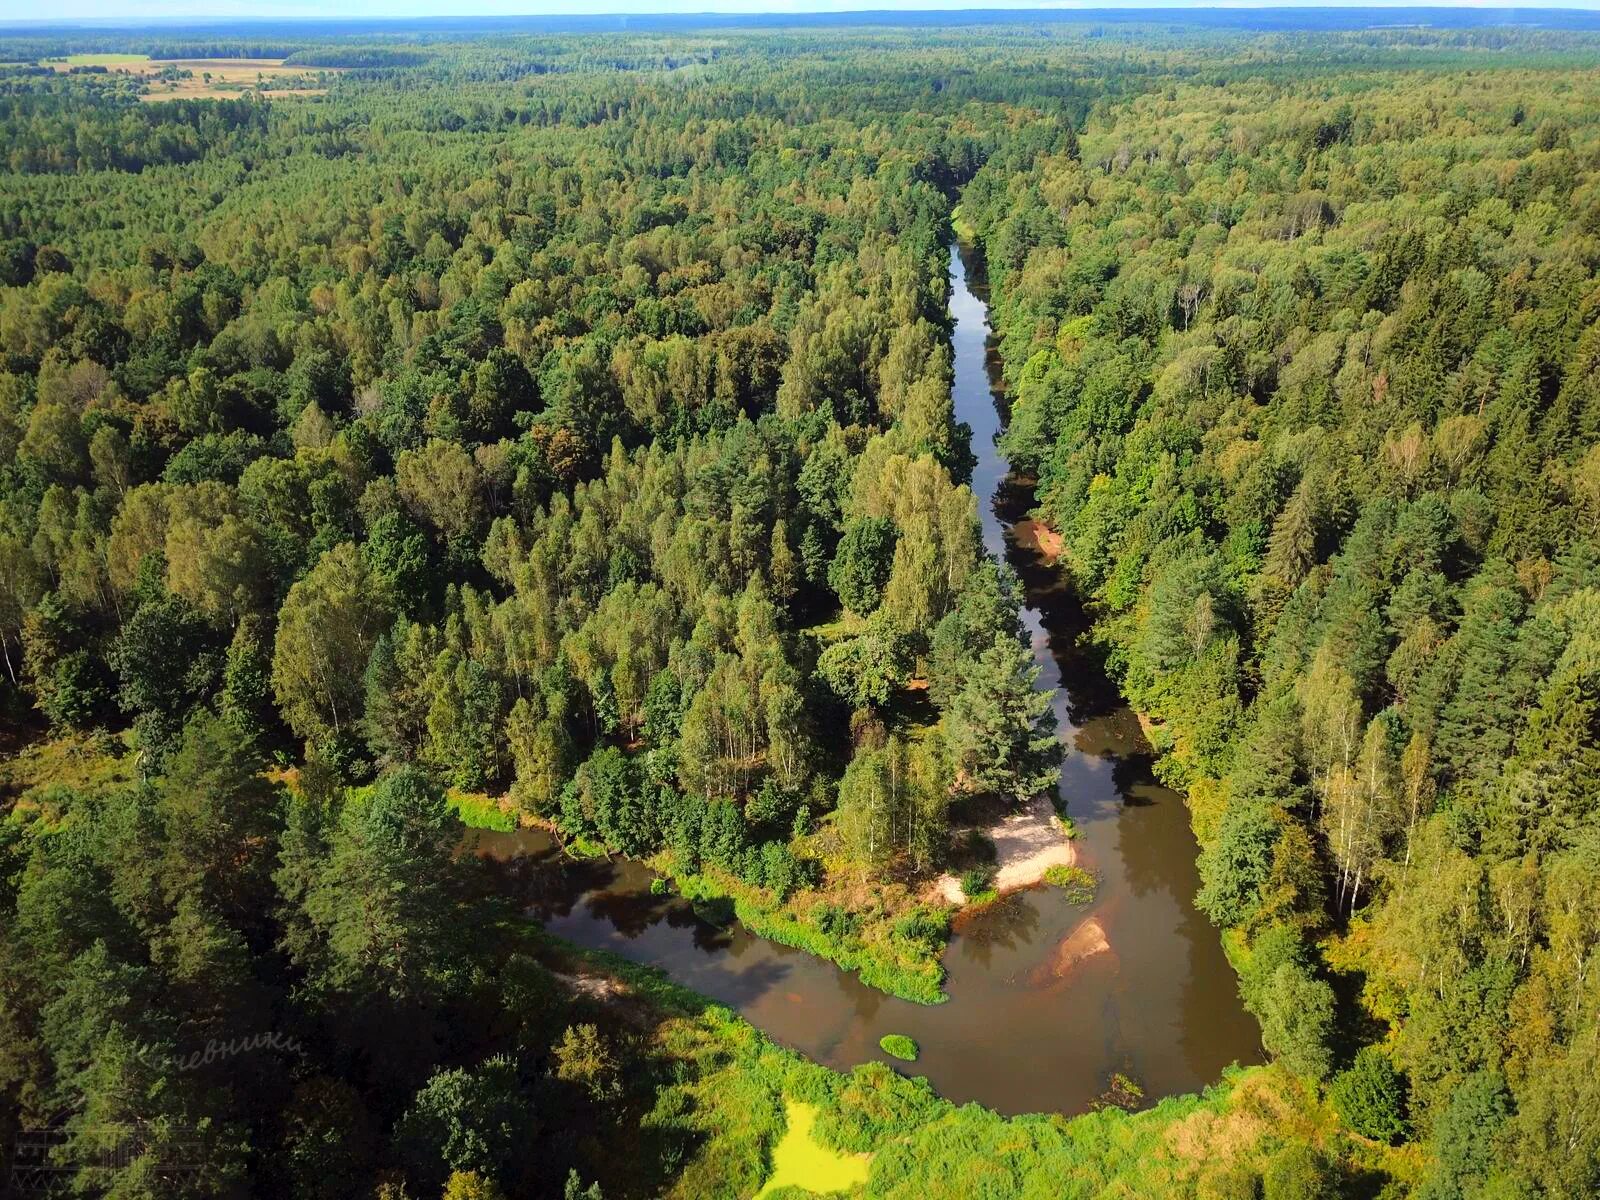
[(559, 428)]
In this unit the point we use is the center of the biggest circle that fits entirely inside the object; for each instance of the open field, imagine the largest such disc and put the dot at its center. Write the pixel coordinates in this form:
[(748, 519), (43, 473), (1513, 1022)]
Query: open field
[(205, 78)]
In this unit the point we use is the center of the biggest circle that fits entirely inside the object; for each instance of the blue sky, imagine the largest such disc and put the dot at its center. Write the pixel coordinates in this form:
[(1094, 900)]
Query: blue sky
[(139, 11)]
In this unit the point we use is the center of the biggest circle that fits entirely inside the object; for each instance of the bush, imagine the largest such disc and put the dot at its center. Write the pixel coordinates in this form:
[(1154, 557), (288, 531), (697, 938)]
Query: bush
[(1298, 1173), (1296, 1009), (781, 872), (1465, 1136), (1079, 884), (923, 929), (467, 1121), (860, 567), (977, 881), (835, 922), (980, 849), (1229, 1183), (898, 1045), (876, 1106), (1370, 1096)]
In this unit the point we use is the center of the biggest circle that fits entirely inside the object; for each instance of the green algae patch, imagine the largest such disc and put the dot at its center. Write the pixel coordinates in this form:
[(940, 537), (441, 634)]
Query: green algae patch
[(799, 1160)]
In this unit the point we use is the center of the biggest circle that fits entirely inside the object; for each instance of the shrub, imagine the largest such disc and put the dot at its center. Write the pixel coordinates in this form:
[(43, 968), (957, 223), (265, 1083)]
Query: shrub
[(1465, 1136), (781, 872), (1296, 1012), (834, 921), (467, 1121), (1370, 1096), (877, 1105), (980, 849), (977, 881), (1079, 884), (1229, 1183), (898, 1045), (860, 566), (584, 1056), (1297, 1173), (923, 929)]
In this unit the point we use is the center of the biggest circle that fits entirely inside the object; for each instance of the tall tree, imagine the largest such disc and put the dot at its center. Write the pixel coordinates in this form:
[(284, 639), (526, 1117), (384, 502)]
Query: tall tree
[(1002, 728)]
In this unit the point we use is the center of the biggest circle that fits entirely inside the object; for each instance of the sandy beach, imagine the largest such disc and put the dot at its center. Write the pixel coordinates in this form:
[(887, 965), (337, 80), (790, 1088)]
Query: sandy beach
[(1027, 843)]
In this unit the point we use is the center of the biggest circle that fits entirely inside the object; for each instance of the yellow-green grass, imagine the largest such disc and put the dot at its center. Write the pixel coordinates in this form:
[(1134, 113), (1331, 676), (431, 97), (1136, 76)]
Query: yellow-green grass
[(480, 811), (962, 227), (208, 78), (843, 625), (80, 762), (230, 78), (799, 1160)]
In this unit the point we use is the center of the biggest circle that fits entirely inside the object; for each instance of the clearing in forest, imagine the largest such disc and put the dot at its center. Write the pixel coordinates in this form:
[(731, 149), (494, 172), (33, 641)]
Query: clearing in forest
[(205, 78)]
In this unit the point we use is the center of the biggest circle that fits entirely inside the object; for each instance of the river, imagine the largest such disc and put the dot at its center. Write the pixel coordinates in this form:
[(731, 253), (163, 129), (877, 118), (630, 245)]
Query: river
[(1159, 1005)]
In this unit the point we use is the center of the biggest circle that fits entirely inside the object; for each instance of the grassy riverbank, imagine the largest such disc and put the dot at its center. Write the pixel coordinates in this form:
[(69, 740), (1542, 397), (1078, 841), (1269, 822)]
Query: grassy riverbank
[(881, 933), (732, 1090), (479, 811)]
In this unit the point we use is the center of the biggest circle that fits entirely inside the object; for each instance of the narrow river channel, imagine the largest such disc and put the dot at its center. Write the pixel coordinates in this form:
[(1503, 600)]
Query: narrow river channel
[(1018, 1034)]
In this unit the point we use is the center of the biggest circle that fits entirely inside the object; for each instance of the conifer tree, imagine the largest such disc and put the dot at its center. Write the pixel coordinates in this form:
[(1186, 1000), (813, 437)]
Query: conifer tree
[(1002, 728)]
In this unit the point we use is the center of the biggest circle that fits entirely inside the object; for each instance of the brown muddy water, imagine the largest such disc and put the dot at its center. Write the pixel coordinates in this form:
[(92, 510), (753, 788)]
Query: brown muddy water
[(1047, 999)]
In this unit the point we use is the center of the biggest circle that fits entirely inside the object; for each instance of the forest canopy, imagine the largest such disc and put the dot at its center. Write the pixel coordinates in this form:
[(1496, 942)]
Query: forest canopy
[(559, 427)]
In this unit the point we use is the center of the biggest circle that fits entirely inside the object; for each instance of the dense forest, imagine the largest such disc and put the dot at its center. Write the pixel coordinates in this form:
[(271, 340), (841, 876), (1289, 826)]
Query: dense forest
[(1308, 380), (558, 430)]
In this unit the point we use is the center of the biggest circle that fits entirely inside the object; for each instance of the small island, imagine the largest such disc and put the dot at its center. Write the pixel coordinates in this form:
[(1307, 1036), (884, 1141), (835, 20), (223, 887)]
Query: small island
[(898, 1045)]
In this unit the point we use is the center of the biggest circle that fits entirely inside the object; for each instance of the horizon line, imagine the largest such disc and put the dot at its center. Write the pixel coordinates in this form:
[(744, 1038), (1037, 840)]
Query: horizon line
[(769, 15)]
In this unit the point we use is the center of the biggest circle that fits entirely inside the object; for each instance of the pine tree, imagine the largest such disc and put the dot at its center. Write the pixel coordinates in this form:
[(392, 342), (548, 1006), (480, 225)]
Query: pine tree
[(1292, 552), (1001, 728)]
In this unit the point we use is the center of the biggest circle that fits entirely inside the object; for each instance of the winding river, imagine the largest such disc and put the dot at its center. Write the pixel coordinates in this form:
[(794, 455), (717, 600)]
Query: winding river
[(1021, 1032)]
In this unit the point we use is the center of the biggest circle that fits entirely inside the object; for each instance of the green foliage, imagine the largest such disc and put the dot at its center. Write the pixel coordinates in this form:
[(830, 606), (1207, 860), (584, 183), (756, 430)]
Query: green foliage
[(1370, 1096), (382, 899), (474, 1120), (1296, 1008), (1298, 1173), (897, 1045), (1466, 1136), (167, 660), (607, 799), (977, 883), (866, 671), (902, 960), (1235, 866), (218, 819), (508, 437), (1079, 883), (329, 622), (477, 811), (1347, 603), (1003, 729), (585, 1057), (860, 566), (469, 1185)]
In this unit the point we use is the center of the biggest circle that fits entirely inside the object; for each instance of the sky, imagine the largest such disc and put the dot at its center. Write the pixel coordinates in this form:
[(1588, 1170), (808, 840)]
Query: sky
[(142, 11)]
